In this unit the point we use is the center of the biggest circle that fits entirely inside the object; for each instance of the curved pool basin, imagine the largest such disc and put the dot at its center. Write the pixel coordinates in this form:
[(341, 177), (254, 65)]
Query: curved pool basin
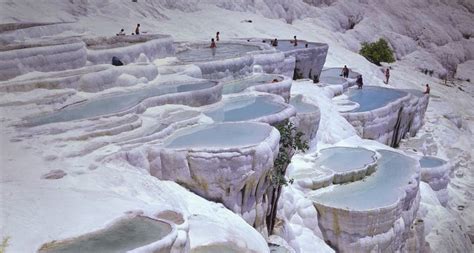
[(303, 107), (114, 103), (122, 236), (246, 108), (287, 45), (383, 188), (202, 52), (332, 80), (431, 162), (345, 159), (373, 97), (336, 72), (236, 86), (219, 136)]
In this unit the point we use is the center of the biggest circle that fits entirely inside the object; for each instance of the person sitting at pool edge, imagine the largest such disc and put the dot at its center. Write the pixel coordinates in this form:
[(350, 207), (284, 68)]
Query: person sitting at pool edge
[(427, 91), (213, 43), (345, 72), (121, 33), (275, 42), (295, 41)]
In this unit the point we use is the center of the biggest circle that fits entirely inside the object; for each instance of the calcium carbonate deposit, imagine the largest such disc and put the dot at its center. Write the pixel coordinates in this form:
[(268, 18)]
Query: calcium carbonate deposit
[(228, 126)]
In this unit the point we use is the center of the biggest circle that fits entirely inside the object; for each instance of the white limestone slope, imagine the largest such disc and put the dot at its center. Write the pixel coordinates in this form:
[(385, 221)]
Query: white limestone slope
[(440, 136)]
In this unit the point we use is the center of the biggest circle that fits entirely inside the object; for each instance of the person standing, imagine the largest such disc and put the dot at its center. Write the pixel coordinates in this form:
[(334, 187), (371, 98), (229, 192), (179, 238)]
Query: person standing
[(387, 75), (427, 91), (345, 72), (137, 30), (275, 42), (359, 82), (217, 36), (295, 41), (213, 43)]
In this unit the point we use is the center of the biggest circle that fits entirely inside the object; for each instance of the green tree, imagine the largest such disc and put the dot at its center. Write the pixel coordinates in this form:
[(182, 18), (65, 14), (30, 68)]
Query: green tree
[(377, 52), (290, 142)]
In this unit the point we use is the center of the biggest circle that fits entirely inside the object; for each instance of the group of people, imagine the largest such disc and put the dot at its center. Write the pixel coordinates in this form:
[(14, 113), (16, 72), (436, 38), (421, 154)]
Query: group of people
[(213, 41), (345, 73), (137, 31)]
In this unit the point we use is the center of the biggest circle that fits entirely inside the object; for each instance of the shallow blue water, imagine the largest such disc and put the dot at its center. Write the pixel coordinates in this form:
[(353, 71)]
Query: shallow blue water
[(286, 45), (342, 159), (302, 107), (430, 162), (201, 53), (237, 86), (219, 135), (332, 80), (113, 103), (247, 108), (123, 236), (380, 189), (336, 72), (373, 97)]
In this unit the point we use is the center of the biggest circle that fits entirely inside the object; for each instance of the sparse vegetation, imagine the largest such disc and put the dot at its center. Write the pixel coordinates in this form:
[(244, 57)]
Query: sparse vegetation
[(290, 143), (4, 245), (377, 52)]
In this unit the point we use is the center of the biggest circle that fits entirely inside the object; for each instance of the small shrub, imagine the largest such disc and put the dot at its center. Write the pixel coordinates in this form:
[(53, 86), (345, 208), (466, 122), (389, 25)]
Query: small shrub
[(377, 52), (290, 142), (4, 244)]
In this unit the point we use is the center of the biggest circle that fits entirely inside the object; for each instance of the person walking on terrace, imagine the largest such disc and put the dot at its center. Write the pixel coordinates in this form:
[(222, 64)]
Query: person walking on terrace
[(387, 75)]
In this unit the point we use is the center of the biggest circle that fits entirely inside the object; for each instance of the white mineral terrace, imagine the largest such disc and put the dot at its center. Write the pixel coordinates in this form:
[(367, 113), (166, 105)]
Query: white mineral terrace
[(383, 114), (121, 103), (307, 117), (346, 212), (182, 125), (226, 162), (435, 172), (383, 189)]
